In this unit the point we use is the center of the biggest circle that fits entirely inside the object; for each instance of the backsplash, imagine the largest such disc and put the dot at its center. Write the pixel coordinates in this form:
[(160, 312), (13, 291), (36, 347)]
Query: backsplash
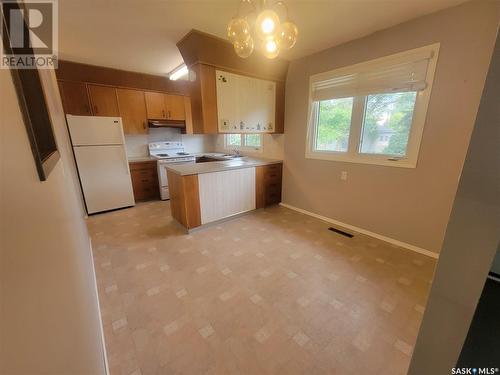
[(273, 146), (137, 145)]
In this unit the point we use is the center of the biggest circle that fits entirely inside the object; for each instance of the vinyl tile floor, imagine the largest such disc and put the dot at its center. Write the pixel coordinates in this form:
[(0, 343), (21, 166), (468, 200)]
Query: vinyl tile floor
[(270, 292)]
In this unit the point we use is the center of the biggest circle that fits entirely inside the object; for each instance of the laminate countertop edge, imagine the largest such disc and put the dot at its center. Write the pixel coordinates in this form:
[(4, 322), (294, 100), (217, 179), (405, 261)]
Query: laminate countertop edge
[(186, 169), (140, 159)]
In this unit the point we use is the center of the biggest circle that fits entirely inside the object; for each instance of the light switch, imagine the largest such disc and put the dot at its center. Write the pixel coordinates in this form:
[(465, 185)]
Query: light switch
[(343, 175)]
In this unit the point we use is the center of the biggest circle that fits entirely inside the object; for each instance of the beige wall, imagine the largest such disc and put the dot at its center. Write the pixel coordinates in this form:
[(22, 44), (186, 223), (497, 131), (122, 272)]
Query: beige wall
[(409, 205), (49, 322)]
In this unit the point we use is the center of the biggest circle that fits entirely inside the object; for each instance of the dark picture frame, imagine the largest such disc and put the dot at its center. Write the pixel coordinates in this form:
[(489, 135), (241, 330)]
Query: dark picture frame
[(33, 105)]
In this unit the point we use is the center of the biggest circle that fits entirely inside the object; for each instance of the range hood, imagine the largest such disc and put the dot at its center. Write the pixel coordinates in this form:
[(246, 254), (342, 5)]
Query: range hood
[(166, 124)]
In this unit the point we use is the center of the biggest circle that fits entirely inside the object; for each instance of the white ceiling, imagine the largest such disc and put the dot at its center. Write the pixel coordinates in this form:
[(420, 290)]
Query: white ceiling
[(140, 35)]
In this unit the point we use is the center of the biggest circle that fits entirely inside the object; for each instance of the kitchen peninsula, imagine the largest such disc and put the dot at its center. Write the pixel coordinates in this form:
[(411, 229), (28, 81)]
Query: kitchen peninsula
[(202, 193)]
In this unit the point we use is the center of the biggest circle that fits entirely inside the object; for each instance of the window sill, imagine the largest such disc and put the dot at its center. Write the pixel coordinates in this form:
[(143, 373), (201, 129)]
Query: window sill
[(332, 156)]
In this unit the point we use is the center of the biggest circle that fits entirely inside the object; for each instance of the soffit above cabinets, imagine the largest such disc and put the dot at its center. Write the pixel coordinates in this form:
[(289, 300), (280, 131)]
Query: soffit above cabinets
[(199, 47)]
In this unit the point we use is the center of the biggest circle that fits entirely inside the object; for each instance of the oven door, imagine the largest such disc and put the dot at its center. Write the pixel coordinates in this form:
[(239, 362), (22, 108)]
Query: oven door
[(163, 180), (162, 176)]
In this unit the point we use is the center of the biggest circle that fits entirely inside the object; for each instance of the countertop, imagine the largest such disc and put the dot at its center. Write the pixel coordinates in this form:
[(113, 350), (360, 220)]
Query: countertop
[(138, 159), (185, 169)]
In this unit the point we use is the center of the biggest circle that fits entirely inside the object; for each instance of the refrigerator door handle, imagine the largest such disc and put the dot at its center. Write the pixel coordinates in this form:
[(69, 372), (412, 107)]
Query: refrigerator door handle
[(127, 168)]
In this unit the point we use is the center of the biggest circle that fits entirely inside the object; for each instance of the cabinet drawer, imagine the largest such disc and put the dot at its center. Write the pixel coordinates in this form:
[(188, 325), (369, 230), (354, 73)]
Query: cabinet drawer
[(272, 178), (144, 180), (273, 193), (273, 197), (146, 173), (273, 169), (143, 165), (273, 187), (268, 185)]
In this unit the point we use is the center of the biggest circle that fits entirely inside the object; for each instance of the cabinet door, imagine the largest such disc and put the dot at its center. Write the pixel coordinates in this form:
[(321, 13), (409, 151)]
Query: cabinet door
[(104, 102), (228, 87), (74, 98), (245, 104), (268, 95), (132, 107), (246, 97), (189, 115), (175, 107), (155, 105)]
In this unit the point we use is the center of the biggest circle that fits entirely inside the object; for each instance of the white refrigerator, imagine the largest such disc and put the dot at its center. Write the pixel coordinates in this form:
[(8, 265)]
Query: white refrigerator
[(101, 159)]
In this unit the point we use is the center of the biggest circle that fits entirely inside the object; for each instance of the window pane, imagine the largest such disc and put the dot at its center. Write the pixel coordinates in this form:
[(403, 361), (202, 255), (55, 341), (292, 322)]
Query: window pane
[(334, 123), (252, 140), (387, 123), (233, 139)]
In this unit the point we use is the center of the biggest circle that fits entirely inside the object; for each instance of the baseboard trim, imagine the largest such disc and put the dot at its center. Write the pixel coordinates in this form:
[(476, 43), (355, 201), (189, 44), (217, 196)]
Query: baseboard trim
[(366, 232), (494, 276)]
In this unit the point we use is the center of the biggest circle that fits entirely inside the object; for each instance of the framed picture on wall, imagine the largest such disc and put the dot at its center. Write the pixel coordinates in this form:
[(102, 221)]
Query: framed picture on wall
[(30, 93)]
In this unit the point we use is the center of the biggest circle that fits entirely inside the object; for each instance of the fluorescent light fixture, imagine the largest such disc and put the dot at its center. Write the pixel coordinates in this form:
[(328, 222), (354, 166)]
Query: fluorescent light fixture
[(178, 72)]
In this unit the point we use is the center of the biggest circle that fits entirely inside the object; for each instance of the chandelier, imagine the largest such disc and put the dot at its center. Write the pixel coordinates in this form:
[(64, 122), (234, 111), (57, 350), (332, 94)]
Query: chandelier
[(272, 35)]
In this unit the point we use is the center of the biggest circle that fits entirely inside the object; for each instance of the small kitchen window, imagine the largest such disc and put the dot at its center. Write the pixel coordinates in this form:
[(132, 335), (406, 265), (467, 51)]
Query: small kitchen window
[(373, 112), (249, 142)]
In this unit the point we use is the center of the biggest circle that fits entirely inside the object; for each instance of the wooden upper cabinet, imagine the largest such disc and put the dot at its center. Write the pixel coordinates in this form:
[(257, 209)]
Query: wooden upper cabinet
[(165, 106), (104, 101), (175, 107), (75, 98), (155, 104), (132, 108), (245, 104)]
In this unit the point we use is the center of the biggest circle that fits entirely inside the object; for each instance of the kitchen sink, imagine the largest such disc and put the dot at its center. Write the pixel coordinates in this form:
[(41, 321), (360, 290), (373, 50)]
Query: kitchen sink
[(232, 156), (235, 163)]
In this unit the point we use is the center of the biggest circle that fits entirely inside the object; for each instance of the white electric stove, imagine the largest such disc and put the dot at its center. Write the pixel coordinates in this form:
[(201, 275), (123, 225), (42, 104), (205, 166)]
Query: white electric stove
[(166, 153)]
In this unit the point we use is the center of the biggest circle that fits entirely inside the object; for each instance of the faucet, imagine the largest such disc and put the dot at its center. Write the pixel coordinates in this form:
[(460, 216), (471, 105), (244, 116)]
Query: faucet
[(237, 153)]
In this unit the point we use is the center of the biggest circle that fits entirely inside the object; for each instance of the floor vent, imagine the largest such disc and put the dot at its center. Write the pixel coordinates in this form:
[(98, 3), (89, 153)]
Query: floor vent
[(341, 232)]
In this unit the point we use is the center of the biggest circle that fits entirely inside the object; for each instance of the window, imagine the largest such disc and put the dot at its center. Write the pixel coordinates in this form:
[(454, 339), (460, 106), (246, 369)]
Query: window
[(243, 141), (387, 116), (334, 123), (373, 112)]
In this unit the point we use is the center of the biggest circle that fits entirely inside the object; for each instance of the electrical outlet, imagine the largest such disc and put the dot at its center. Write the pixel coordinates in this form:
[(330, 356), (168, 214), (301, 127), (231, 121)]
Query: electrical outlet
[(343, 175)]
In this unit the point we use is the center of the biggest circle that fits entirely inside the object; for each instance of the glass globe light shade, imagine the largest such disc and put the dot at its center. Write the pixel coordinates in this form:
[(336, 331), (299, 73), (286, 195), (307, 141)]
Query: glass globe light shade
[(267, 23), (238, 30), (271, 49), (244, 49), (287, 35)]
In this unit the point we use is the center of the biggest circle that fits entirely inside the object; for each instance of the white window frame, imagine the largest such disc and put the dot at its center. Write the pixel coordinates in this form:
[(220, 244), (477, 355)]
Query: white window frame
[(243, 146), (353, 155)]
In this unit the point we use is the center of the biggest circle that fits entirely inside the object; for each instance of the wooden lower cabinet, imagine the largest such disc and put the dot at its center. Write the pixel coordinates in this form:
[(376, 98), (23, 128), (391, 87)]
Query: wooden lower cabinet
[(197, 200), (268, 185), (144, 176)]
